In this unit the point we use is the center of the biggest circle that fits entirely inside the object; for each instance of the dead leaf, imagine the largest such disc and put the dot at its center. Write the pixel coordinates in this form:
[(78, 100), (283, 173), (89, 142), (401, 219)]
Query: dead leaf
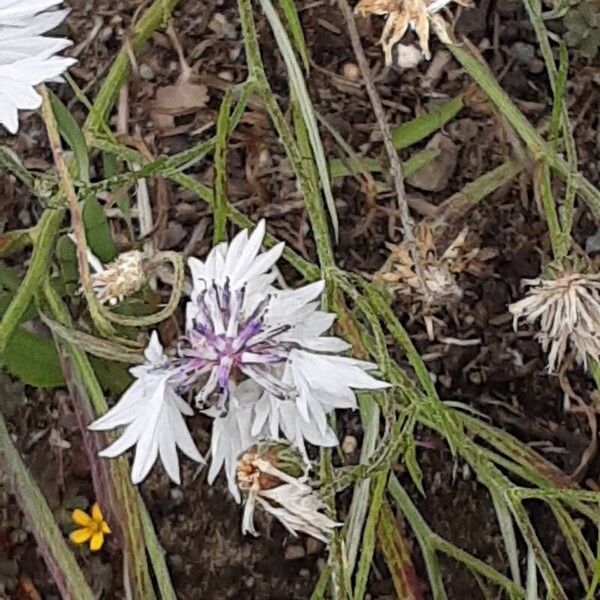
[(172, 101)]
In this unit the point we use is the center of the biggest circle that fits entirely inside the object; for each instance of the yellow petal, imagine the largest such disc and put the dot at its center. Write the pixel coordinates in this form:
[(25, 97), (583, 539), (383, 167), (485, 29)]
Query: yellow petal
[(97, 513), (80, 536), (97, 541), (81, 518), (105, 527)]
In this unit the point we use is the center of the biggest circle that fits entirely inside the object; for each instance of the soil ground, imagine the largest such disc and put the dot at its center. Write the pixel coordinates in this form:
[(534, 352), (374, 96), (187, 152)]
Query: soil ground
[(502, 376)]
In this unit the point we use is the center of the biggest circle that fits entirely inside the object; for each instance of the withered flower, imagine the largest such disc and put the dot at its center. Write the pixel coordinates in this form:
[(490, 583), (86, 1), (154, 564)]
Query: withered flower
[(567, 304), (402, 15)]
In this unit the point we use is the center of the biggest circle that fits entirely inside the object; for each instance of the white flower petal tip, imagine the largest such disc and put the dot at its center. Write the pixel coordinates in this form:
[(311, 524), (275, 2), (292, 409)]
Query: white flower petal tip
[(27, 57), (567, 307), (288, 497), (153, 416)]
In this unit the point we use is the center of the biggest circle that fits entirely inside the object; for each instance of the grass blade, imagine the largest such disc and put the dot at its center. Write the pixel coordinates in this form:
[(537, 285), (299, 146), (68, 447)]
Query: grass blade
[(58, 557), (418, 129), (298, 85), (288, 8), (397, 557)]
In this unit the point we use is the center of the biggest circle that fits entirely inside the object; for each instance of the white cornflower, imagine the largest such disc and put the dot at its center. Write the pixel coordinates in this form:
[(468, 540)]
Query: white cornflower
[(290, 499), (402, 15), (240, 325), (27, 58), (152, 413), (568, 308), (253, 356)]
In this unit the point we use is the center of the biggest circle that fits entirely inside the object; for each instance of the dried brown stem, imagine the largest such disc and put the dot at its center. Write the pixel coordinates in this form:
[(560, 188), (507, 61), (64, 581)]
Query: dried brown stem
[(395, 165)]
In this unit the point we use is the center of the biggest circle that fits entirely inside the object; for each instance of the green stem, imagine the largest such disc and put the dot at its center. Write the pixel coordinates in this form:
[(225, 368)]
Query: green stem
[(58, 556), (456, 206), (157, 14), (128, 505), (543, 188), (221, 175), (539, 148), (47, 230), (369, 536), (311, 195)]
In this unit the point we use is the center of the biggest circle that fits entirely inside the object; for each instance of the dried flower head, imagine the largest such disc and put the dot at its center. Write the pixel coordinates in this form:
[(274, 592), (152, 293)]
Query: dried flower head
[(402, 14), (433, 286), (272, 477), (567, 304), (120, 278)]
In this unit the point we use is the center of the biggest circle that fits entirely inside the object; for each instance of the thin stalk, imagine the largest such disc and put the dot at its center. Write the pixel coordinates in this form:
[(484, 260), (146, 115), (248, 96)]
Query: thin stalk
[(312, 196), (157, 14), (128, 505), (47, 230), (370, 536), (394, 160), (76, 218), (50, 540), (539, 148), (388, 142), (543, 190), (221, 175)]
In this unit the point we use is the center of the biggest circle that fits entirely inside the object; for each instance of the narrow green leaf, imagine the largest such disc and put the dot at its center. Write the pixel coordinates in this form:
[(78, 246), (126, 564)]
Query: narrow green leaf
[(97, 231), (369, 536), (71, 132), (418, 129), (423, 535), (370, 416), (418, 160), (59, 558), (560, 89), (397, 556), (12, 163), (508, 534), (221, 175), (288, 8), (532, 580), (299, 85), (412, 465)]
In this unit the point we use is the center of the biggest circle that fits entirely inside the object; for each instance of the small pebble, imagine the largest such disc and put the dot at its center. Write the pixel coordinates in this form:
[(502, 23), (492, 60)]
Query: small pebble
[(350, 71), (225, 75), (146, 72), (349, 444), (177, 496)]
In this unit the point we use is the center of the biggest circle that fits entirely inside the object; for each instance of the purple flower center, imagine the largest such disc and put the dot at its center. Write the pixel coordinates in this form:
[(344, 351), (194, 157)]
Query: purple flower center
[(224, 340)]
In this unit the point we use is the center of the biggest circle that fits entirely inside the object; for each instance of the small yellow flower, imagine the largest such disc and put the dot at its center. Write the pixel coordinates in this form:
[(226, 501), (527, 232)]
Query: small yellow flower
[(92, 528)]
